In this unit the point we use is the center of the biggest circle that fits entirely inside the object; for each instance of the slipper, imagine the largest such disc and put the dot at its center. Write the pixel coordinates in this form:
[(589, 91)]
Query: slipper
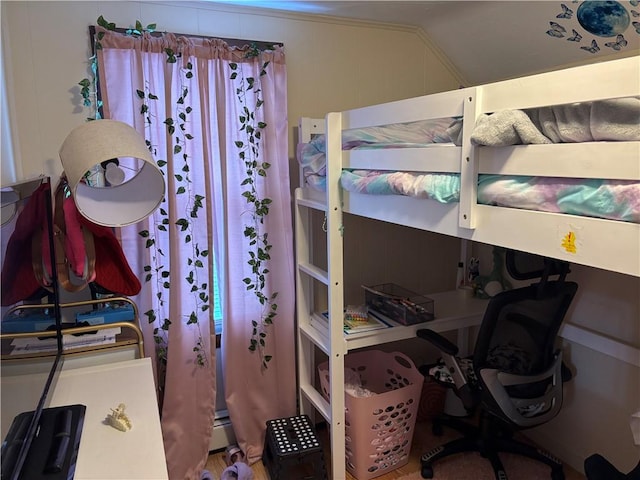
[(233, 454), (237, 471), (206, 475)]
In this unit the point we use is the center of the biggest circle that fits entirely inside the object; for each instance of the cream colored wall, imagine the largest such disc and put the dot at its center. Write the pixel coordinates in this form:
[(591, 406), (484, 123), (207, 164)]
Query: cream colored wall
[(332, 65)]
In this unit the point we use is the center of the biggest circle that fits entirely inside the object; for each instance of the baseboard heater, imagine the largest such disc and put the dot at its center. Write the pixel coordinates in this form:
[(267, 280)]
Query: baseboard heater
[(222, 434)]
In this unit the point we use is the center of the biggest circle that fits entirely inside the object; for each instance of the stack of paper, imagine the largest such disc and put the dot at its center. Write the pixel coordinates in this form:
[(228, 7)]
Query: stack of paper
[(34, 345), (352, 326), (360, 323)]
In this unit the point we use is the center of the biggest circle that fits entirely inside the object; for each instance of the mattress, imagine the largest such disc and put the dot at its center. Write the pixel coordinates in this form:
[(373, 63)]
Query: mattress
[(609, 199), (606, 120)]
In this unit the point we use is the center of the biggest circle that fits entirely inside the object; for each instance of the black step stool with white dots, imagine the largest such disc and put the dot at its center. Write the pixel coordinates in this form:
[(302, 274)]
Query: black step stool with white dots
[(292, 450)]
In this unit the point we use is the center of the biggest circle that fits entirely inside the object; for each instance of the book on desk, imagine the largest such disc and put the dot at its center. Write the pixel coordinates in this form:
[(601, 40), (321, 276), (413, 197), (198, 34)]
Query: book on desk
[(364, 322)]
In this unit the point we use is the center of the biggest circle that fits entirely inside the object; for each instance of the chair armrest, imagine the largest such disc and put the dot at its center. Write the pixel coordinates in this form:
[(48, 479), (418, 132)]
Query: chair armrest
[(449, 352), (438, 341)]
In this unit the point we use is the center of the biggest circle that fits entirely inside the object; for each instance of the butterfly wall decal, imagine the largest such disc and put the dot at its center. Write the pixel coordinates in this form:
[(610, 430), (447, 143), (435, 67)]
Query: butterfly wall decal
[(556, 30), (566, 12), (618, 44), (576, 36), (594, 48)]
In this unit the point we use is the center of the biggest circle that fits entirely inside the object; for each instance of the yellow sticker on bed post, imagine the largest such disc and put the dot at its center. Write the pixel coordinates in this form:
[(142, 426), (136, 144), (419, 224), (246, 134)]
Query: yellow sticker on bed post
[(569, 242)]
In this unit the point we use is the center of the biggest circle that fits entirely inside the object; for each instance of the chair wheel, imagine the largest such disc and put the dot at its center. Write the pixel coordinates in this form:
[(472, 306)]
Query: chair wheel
[(557, 474), (426, 471)]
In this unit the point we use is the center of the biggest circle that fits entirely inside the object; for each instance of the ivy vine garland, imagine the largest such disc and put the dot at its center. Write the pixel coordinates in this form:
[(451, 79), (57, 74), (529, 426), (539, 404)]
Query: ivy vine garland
[(249, 96), (159, 271)]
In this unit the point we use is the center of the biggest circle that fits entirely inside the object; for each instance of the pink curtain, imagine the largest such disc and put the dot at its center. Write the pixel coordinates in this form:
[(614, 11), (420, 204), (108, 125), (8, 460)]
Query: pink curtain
[(254, 395)]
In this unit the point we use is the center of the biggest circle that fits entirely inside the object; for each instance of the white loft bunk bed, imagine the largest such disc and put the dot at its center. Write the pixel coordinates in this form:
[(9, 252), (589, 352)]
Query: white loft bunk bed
[(598, 242)]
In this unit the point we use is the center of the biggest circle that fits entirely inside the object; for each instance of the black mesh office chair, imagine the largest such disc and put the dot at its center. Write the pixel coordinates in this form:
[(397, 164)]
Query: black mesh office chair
[(514, 377)]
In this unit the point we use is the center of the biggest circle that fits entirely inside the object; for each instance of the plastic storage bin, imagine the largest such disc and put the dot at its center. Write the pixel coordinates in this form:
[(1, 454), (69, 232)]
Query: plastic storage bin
[(399, 304), (378, 428)]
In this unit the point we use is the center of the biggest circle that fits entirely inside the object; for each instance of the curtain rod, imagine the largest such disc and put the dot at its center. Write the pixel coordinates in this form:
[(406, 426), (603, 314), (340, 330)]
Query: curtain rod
[(233, 42)]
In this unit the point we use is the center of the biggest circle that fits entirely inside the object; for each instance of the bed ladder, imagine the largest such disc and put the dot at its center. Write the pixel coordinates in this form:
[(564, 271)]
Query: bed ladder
[(314, 330)]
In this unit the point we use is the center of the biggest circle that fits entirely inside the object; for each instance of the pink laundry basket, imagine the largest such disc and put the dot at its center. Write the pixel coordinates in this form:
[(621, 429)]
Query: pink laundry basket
[(379, 428)]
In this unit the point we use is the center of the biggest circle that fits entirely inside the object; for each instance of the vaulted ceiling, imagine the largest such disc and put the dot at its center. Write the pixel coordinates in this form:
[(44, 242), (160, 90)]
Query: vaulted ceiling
[(494, 40)]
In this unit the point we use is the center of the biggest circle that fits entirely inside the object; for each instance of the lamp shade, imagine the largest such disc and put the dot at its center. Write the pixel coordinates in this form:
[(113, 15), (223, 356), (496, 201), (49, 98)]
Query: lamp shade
[(141, 189)]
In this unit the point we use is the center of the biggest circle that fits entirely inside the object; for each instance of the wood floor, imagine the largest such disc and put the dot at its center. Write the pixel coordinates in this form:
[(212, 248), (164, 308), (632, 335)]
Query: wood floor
[(467, 466)]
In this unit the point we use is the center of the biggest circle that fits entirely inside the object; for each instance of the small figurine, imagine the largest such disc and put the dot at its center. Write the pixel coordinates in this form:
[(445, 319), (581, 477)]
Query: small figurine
[(474, 270), (487, 286), (118, 419)]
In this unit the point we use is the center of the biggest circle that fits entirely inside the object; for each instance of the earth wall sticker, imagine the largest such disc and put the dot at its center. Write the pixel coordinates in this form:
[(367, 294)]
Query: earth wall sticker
[(609, 21)]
